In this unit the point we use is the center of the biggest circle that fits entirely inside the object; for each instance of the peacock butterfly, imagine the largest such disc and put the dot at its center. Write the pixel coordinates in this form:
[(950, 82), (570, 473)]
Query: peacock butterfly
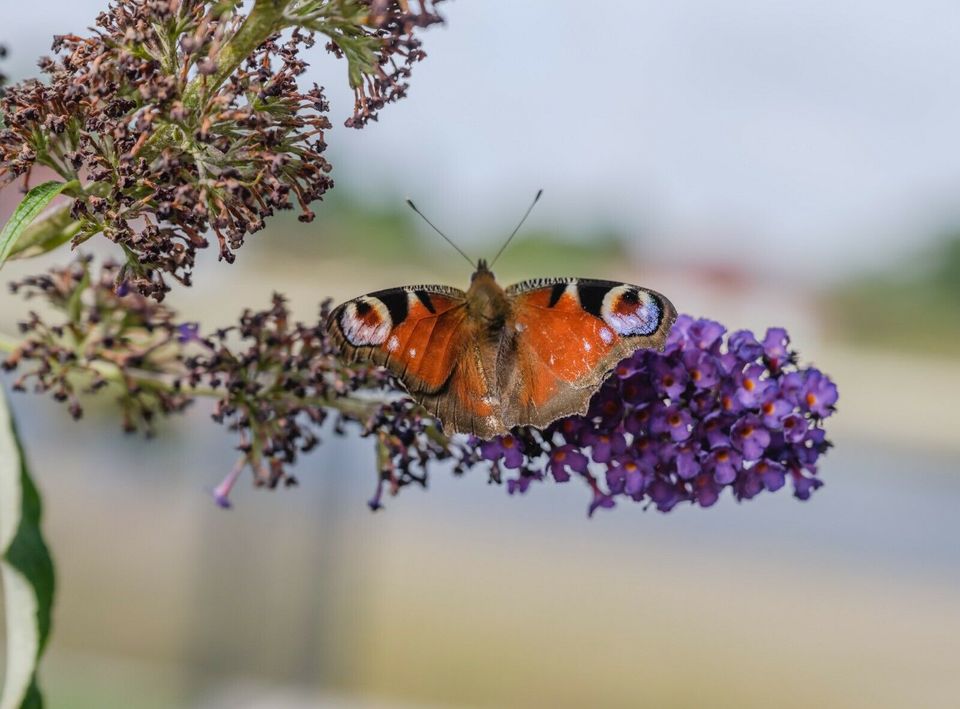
[(491, 358)]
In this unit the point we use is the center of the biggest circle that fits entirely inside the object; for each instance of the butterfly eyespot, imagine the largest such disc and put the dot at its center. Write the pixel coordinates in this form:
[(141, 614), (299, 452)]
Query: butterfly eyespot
[(363, 308), (365, 322), (631, 312)]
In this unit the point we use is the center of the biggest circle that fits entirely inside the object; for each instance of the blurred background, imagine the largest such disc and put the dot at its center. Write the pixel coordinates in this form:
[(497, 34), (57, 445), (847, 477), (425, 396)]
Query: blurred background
[(762, 163)]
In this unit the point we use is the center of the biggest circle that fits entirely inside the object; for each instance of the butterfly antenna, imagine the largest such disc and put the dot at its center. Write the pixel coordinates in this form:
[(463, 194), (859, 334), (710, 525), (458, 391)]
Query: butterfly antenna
[(510, 238), (446, 238)]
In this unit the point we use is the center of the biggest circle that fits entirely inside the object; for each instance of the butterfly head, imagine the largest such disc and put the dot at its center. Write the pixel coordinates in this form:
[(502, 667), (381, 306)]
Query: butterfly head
[(482, 270), (485, 298)]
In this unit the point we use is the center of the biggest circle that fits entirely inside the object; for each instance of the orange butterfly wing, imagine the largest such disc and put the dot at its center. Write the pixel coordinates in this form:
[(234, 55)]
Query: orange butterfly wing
[(538, 354), (566, 335), (423, 335)]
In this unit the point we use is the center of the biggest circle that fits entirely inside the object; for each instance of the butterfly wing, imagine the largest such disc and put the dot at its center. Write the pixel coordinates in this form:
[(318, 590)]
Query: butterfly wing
[(423, 335), (564, 336)]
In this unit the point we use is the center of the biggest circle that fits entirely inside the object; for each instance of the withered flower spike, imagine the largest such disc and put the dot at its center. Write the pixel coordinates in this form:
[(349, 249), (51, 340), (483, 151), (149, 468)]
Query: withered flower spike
[(162, 164)]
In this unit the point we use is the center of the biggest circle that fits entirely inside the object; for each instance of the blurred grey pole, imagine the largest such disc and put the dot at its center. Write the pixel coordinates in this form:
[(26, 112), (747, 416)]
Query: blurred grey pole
[(276, 579)]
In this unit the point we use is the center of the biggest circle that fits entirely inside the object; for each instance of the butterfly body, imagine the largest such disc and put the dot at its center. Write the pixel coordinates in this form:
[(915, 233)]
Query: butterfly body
[(489, 359)]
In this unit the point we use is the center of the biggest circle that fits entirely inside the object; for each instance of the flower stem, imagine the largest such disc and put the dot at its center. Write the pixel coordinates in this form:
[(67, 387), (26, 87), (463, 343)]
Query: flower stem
[(7, 343), (266, 17)]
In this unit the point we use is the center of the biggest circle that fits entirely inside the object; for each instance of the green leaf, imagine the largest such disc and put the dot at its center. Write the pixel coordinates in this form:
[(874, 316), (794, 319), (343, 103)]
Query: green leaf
[(34, 203), (343, 21), (25, 569), (55, 229)]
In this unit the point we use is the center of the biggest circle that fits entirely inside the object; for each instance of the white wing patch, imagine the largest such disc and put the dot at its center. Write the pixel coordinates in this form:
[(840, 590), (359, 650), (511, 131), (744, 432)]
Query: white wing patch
[(641, 318), (366, 321)]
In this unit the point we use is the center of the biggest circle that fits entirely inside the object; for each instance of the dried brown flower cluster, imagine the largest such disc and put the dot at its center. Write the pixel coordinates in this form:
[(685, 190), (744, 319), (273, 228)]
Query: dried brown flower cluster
[(401, 49), (128, 339), (175, 119), (274, 381)]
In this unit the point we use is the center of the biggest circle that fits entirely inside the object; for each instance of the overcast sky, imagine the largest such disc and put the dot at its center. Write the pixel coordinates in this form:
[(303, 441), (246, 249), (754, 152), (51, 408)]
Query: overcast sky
[(818, 136)]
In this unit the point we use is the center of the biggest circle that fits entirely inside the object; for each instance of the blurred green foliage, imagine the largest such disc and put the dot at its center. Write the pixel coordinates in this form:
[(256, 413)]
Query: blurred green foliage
[(354, 227), (914, 307)]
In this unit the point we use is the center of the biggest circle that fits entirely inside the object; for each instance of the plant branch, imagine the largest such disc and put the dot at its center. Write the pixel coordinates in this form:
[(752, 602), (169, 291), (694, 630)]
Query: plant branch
[(8, 344), (360, 408), (266, 17)]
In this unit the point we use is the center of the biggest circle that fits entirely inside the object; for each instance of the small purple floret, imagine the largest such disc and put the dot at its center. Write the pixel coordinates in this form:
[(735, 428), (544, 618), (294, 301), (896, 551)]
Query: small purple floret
[(750, 437), (775, 348), (188, 332), (724, 463), (564, 458), (221, 493), (818, 394), (505, 448)]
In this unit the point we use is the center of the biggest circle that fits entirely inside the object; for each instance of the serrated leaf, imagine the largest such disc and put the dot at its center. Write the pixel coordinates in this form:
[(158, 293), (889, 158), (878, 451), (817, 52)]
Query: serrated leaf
[(34, 203), (26, 571)]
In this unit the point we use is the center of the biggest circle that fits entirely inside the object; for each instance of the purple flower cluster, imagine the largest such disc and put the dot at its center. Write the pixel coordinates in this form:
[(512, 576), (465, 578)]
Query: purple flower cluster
[(707, 413)]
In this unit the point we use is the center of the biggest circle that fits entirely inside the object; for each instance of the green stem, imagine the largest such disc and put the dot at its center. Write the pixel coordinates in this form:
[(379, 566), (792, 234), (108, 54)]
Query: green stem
[(7, 343), (266, 17)]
